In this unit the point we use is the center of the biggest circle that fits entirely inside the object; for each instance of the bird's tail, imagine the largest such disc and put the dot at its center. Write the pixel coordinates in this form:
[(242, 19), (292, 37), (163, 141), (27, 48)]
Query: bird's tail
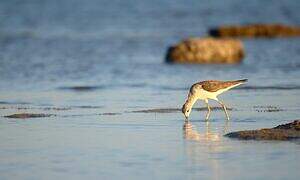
[(241, 81), (232, 84)]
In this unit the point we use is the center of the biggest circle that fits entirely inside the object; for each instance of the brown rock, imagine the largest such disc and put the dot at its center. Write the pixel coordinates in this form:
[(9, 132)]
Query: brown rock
[(288, 131), (292, 126), (206, 51), (256, 31)]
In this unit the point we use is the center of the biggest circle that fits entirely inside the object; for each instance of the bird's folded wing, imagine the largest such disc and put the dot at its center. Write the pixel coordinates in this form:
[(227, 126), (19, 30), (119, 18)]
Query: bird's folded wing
[(213, 86)]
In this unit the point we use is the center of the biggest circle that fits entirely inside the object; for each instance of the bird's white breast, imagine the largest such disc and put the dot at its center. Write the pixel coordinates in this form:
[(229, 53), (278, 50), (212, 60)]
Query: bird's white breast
[(202, 94)]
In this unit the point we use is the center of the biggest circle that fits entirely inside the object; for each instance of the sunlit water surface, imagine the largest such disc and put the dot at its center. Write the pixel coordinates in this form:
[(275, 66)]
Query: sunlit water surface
[(98, 68)]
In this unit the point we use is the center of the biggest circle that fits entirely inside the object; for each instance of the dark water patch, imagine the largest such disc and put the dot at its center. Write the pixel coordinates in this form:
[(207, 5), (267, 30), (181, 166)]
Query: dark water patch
[(36, 115), (169, 88), (172, 110), (138, 85), (281, 87), (110, 114), (17, 107), (128, 164), (93, 114), (212, 108), (22, 108), (28, 115), (88, 107), (3, 102), (37, 108), (56, 108), (267, 109), (203, 120), (45, 104), (11, 37), (14, 102), (135, 106), (287, 87), (79, 115), (161, 110), (243, 120), (134, 125), (101, 87), (82, 88)]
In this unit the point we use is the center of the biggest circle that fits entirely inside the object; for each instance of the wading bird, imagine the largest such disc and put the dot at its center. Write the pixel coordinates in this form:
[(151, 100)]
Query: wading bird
[(208, 90)]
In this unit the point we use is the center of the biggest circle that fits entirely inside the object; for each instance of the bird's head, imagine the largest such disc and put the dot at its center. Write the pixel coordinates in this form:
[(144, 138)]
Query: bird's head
[(186, 110)]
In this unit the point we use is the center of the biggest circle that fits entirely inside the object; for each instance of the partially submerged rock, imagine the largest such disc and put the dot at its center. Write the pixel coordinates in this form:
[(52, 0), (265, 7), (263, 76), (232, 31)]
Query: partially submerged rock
[(28, 115), (206, 51), (290, 126), (256, 30), (287, 131)]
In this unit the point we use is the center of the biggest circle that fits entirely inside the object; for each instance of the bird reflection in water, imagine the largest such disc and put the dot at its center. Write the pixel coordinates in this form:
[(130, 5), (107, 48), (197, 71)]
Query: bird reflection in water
[(204, 149), (191, 133)]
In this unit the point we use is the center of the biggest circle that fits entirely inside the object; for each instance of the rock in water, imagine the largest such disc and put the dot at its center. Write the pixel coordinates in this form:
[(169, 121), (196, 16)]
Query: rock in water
[(206, 51), (288, 131), (256, 30)]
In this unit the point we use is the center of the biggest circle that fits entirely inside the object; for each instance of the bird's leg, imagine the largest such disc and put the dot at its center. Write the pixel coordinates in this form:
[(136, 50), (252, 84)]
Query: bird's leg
[(207, 128), (208, 113), (226, 126), (225, 109)]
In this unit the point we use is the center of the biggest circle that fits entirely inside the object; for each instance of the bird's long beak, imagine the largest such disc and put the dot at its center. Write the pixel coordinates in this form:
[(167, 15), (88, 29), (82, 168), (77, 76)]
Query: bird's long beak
[(186, 118)]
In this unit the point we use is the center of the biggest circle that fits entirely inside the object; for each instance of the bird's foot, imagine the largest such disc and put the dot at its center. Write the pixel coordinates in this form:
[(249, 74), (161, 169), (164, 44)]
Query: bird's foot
[(207, 116), (206, 119)]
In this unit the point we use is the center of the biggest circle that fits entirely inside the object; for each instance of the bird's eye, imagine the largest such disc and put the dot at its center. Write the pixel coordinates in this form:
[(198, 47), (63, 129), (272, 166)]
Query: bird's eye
[(187, 110)]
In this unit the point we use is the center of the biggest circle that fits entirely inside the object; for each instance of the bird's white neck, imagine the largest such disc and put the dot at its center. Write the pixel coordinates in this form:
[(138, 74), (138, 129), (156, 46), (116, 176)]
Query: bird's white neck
[(190, 101)]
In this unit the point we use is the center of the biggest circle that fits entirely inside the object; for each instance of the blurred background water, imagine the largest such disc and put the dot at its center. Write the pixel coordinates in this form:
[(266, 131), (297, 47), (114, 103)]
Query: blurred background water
[(101, 56)]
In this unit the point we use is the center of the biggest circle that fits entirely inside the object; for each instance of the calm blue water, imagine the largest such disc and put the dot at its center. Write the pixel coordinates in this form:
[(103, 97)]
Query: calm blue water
[(96, 57)]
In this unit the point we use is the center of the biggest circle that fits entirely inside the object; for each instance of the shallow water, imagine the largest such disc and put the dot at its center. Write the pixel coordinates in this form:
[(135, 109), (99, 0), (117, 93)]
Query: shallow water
[(98, 68)]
